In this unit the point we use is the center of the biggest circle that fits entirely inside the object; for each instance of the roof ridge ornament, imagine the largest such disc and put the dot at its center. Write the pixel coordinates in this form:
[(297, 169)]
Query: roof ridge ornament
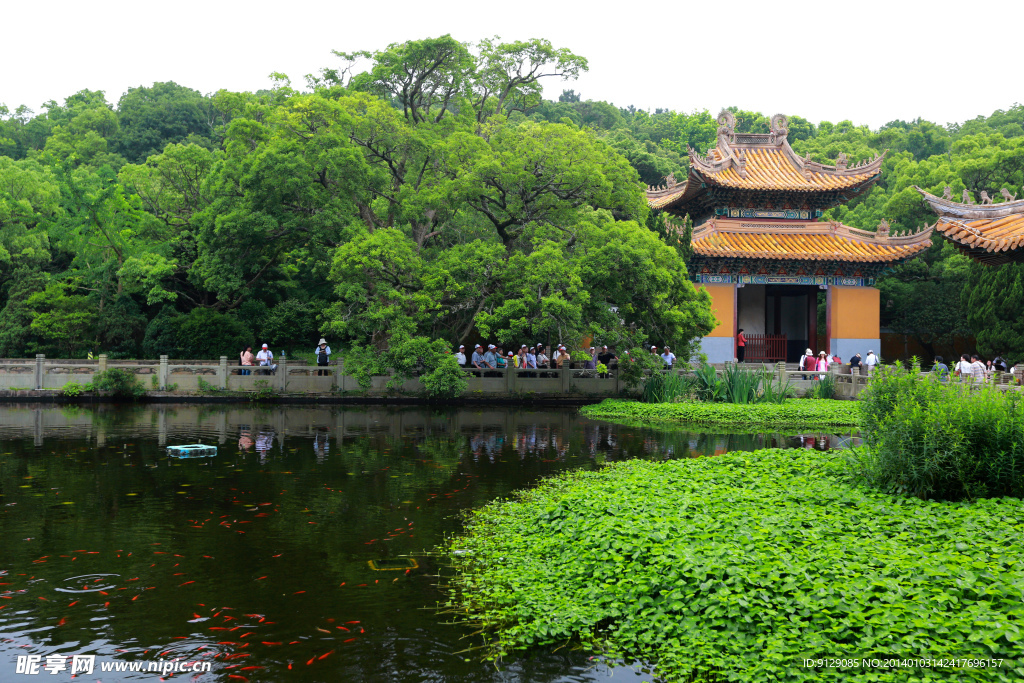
[(968, 199), (726, 127), (882, 230), (1006, 195), (841, 162), (779, 128), (741, 164)]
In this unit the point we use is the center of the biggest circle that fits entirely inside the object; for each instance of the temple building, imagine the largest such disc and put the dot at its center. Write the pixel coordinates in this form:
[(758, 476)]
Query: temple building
[(762, 252), (989, 233)]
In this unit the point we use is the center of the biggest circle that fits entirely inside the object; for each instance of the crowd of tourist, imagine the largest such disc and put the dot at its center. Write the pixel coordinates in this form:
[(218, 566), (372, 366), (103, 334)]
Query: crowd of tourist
[(542, 357), (972, 368)]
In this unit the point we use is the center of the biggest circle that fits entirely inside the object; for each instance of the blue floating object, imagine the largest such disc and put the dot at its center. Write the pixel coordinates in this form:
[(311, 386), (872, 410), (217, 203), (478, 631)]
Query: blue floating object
[(193, 450)]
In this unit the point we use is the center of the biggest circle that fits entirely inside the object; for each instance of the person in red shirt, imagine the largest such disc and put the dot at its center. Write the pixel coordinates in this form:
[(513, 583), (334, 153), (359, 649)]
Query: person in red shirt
[(741, 346)]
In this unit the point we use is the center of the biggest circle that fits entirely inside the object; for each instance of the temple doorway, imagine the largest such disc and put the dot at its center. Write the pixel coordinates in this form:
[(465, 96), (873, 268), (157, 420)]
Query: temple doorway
[(779, 321)]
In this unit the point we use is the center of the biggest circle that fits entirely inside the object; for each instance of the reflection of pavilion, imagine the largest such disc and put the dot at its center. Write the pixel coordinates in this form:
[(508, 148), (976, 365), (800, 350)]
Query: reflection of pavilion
[(763, 255)]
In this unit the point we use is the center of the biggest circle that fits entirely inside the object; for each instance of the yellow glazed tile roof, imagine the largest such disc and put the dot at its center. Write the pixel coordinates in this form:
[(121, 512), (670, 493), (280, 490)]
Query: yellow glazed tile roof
[(816, 246), (994, 235), (771, 169), (659, 202)]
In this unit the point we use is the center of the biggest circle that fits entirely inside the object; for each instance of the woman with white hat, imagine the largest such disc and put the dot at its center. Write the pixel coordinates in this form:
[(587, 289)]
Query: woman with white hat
[(822, 364), (323, 357)]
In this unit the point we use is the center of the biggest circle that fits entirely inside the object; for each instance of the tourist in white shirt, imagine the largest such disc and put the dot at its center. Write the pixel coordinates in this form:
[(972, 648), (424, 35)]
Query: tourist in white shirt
[(871, 361), (668, 357), (460, 356), (266, 358)]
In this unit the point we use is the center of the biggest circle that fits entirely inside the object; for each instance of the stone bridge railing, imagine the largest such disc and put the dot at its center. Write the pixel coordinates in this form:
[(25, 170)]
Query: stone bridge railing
[(192, 376)]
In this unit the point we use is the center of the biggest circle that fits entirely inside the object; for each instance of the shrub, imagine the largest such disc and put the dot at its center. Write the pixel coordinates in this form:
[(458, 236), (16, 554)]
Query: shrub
[(667, 387), (740, 386), (119, 383), (946, 441), (407, 357), (825, 387), (263, 391), (636, 365), (446, 379), (72, 389), (748, 563)]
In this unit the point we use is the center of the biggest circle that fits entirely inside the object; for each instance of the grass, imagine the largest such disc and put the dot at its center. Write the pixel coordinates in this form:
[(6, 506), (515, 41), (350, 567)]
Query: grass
[(799, 414), (748, 564)]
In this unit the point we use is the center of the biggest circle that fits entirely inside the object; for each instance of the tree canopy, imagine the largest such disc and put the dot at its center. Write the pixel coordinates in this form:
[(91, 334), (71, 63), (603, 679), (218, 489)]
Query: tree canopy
[(423, 194)]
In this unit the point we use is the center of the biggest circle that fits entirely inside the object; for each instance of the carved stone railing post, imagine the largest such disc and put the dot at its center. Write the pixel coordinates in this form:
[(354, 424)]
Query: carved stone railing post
[(161, 374), (565, 374), (338, 367), (223, 372), (102, 365), (40, 359), (282, 369)]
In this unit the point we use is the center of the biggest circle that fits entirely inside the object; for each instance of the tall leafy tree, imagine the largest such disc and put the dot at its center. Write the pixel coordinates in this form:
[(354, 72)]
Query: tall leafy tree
[(994, 300)]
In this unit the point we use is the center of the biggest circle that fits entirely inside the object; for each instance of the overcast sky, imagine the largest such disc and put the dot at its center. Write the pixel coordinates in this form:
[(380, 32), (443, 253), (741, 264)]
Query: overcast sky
[(869, 61)]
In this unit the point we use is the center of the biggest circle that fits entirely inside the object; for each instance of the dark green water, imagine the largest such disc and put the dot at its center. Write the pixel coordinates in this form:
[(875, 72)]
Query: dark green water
[(303, 551)]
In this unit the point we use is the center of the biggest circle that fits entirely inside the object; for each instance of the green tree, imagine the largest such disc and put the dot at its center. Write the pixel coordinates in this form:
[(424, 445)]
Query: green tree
[(994, 299), (152, 117)]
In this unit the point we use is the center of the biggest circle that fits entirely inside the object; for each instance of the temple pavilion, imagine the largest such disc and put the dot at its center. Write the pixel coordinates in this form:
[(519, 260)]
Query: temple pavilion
[(989, 233), (762, 252)]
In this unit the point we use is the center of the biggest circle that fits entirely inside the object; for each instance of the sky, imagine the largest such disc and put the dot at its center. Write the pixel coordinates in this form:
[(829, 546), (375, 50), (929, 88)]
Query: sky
[(869, 61)]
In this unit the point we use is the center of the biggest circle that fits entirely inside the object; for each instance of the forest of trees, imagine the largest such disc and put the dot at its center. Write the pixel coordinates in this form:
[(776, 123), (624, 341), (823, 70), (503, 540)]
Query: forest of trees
[(419, 196)]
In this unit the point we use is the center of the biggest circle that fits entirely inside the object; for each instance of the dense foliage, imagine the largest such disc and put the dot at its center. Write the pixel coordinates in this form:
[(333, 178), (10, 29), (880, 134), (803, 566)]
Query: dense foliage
[(410, 203), (425, 190), (804, 414), (117, 382), (947, 441), (748, 564)]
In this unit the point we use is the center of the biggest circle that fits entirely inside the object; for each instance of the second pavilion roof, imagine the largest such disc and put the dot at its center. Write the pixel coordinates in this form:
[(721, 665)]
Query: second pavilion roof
[(989, 233)]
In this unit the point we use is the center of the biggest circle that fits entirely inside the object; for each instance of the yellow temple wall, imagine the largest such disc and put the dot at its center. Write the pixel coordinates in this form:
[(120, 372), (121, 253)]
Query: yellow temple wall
[(723, 305), (855, 313)]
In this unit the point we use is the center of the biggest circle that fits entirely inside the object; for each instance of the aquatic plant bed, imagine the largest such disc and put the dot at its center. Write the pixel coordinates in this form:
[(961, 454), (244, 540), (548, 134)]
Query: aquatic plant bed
[(794, 413), (765, 566)]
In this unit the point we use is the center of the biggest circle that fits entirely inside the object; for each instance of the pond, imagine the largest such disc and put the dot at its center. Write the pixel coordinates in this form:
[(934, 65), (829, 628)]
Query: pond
[(304, 550)]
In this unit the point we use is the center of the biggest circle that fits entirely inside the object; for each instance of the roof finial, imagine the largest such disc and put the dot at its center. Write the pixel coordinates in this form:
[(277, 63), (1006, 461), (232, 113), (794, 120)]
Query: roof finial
[(883, 228), (841, 162), (780, 125), (985, 199), (1006, 195), (670, 180), (947, 193), (726, 125), (968, 199)]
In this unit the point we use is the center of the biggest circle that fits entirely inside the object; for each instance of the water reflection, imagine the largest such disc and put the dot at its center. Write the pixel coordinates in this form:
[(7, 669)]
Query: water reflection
[(300, 552)]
